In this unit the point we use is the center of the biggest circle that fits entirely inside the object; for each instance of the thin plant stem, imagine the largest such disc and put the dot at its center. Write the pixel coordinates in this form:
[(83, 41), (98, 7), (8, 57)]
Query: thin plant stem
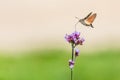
[(71, 74), (72, 60), (72, 52)]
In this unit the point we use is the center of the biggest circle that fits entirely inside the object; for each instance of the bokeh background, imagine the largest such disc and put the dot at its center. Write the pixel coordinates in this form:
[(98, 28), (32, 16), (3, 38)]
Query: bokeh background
[(32, 44)]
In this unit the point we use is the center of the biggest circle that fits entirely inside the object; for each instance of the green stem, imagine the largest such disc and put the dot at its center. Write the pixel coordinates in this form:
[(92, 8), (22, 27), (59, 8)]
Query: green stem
[(72, 52), (71, 74), (72, 60)]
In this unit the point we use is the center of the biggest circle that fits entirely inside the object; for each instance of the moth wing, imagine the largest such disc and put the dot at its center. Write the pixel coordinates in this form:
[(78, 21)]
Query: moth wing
[(88, 15), (90, 19)]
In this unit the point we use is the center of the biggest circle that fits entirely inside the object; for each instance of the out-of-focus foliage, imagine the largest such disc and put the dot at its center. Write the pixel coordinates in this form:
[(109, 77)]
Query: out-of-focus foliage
[(53, 65)]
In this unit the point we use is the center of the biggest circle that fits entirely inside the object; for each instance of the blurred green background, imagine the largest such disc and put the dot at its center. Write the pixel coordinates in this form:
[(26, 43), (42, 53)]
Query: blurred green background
[(52, 64)]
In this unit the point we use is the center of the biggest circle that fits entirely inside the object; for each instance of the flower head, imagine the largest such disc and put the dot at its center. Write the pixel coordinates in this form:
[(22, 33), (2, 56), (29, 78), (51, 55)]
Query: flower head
[(74, 38), (71, 64)]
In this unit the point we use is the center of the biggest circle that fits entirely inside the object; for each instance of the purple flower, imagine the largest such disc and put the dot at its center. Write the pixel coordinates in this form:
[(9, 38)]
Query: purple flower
[(76, 34), (71, 64), (77, 42), (81, 41), (74, 38), (69, 38), (77, 52)]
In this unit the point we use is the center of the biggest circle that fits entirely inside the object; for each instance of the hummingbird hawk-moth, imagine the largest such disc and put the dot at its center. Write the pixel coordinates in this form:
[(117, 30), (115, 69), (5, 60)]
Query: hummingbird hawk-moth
[(88, 20)]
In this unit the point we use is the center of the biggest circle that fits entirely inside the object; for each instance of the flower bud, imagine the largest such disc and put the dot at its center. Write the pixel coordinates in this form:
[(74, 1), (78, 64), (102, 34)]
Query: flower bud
[(77, 52), (71, 64)]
